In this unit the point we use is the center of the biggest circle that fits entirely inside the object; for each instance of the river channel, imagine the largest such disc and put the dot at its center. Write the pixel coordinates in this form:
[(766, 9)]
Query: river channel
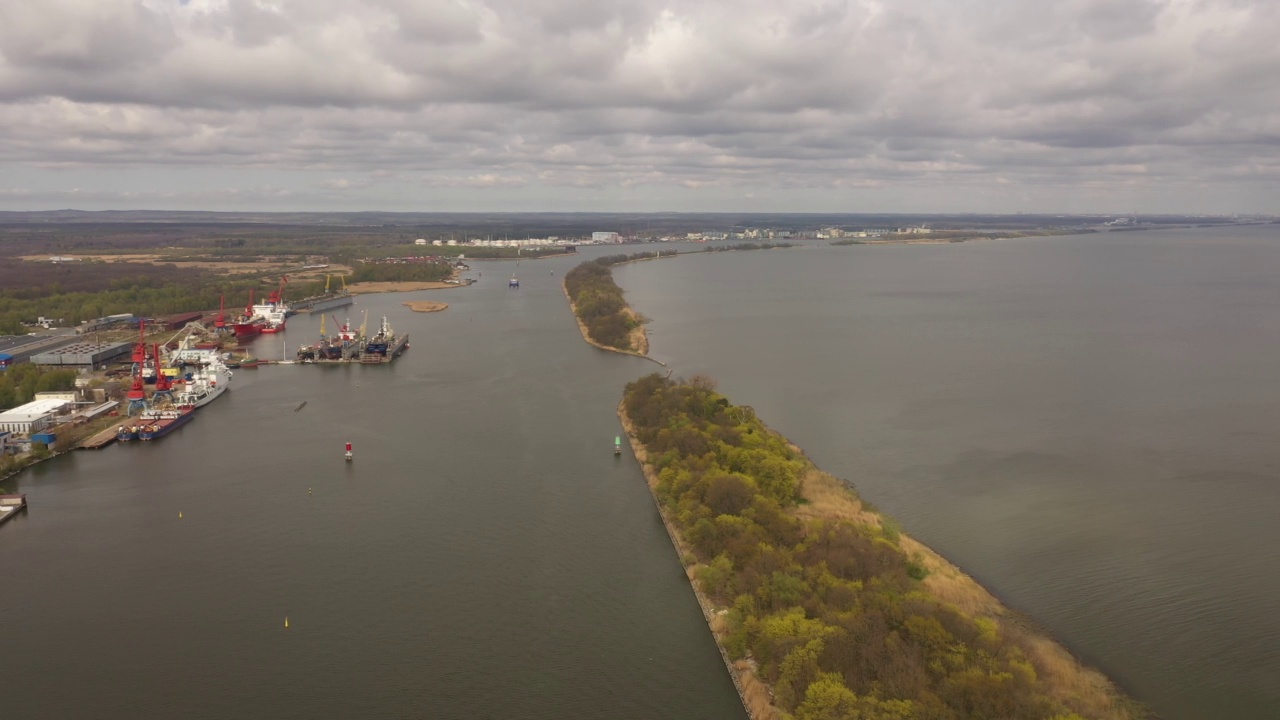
[(1087, 424), (484, 556)]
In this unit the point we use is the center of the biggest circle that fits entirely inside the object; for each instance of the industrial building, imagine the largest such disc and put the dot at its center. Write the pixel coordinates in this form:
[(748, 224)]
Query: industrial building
[(32, 417), (605, 237), (179, 321), (82, 354), (16, 349)]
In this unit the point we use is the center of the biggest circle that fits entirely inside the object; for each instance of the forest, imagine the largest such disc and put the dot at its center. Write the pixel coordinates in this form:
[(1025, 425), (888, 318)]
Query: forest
[(832, 610), (143, 296), (598, 301), (401, 272)]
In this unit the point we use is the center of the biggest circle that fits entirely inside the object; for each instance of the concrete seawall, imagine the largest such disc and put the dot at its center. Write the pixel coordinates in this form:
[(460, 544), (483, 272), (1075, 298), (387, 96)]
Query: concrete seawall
[(752, 691)]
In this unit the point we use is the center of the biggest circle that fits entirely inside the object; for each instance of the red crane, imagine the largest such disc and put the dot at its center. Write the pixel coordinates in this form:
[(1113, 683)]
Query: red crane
[(277, 297), (221, 321), (137, 394), (140, 347)]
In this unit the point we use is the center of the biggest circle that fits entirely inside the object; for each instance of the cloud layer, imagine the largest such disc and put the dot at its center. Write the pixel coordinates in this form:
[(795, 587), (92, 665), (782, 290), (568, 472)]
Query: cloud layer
[(858, 105)]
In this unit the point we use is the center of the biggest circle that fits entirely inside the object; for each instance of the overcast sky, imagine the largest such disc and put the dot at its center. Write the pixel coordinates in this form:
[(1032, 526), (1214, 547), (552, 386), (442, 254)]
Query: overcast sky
[(642, 105)]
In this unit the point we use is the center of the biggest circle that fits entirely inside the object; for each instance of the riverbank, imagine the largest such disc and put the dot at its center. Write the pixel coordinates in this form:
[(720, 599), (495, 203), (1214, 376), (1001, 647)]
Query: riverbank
[(798, 577), (363, 288), (637, 334), (425, 306), (609, 323), (69, 439), (752, 690)]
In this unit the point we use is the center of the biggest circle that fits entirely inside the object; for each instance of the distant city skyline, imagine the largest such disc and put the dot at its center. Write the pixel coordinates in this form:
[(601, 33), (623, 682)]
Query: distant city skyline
[(828, 106)]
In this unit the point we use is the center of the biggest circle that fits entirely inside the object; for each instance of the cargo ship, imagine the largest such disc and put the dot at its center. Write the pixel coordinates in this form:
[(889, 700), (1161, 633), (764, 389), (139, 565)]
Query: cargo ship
[(267, 317), (274, 311), (203, 384), (250, 324), (203, 374), (159, 423), (385, 346)]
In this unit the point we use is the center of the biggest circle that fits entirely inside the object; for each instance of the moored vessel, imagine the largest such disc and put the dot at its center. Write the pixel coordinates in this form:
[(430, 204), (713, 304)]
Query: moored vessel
[(159, 423), (384, 346)]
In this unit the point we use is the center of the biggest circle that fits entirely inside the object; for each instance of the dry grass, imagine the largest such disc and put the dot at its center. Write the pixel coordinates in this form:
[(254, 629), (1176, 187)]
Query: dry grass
[(1084, 690), (756, 694), (829, 498), (386, 287), (425, 306), (220, 268), (637, 337)]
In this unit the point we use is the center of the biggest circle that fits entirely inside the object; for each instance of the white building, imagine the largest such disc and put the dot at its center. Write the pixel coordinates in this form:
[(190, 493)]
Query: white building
[(605, 237), (30, 418), (420, 241)]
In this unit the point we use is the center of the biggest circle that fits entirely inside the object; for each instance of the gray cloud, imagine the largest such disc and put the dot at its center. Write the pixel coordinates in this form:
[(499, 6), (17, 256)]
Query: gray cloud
[(1157, 105)]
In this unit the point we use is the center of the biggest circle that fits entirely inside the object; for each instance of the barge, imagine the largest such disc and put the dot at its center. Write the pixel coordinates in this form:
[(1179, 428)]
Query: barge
[(165, 422), (11, 505)]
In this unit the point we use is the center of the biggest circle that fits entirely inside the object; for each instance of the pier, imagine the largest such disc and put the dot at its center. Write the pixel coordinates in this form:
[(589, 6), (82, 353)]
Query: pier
[(11, 505), (100, 440)]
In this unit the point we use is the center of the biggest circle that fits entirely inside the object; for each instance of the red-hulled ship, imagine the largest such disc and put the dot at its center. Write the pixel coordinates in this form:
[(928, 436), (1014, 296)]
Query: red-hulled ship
[(251, 324)]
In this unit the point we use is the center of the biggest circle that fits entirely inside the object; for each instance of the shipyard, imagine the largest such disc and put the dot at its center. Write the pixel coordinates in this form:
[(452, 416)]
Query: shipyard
[(140, 390)]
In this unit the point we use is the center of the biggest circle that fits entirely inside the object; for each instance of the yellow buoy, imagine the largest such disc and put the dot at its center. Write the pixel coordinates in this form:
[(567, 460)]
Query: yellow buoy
[(308, 491), (286, 621), (179, 514)]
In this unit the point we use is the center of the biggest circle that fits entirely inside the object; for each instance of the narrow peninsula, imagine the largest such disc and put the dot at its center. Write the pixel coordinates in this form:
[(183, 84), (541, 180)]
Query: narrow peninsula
[(822, 607), (604, 318)]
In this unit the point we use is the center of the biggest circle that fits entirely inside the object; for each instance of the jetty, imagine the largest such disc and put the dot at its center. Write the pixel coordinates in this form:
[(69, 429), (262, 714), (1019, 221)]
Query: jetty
[(11, 505), (100, 440)]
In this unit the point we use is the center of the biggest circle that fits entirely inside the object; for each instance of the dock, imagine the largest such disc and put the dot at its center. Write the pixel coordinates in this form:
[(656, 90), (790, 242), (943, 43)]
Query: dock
[(11, 505), (99, 441)]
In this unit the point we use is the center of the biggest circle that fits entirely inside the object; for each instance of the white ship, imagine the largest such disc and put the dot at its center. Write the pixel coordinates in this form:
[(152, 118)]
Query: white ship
[(204, 376), (202, 384)]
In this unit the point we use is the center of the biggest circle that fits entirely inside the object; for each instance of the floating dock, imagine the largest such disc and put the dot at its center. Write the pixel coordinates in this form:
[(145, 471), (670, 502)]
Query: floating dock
[(392, 352), (324, 303), (11, 505)]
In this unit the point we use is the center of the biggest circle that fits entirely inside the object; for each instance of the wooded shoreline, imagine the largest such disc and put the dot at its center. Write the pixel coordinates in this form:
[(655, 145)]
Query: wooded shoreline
[(855, 619)]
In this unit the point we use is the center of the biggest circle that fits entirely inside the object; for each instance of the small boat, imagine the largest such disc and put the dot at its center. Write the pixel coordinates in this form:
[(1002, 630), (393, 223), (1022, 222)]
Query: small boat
[(617, 444), (249, 362), (348, 455)]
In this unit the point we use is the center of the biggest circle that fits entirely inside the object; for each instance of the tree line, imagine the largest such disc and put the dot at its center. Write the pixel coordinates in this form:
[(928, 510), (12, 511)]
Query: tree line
[(143, 296), (598, 301), (401, 272), (834, 612), (20, 383)]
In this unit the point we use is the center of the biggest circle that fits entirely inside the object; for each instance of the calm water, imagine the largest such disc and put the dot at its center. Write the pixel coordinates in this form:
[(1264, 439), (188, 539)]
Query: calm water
[(485, 556), (1087, 424)]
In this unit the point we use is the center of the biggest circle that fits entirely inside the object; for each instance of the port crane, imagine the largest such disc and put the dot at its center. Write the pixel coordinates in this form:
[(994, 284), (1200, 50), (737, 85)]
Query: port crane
[(220, 323), (277, 296), (164, 385)]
